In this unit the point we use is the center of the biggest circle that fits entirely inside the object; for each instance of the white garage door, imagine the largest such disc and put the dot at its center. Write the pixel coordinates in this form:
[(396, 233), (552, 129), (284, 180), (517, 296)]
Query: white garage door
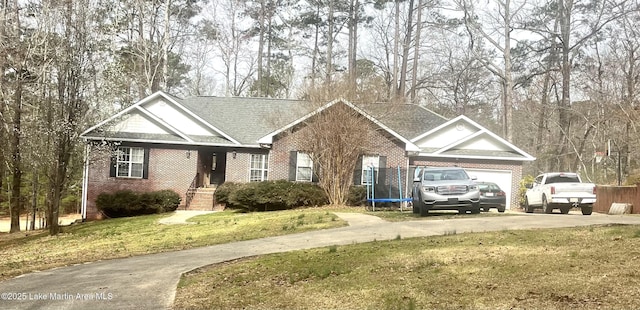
[(500, 177)]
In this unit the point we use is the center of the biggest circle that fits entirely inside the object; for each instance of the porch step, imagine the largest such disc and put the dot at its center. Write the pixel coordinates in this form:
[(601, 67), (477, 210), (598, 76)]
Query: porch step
[(203, 199)]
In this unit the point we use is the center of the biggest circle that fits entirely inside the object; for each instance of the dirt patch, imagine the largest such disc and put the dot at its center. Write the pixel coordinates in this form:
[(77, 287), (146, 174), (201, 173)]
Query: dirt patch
[(5, 222)]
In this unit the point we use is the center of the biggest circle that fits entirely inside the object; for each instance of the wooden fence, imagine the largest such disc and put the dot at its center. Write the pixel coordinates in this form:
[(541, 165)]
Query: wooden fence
[(606, 195)]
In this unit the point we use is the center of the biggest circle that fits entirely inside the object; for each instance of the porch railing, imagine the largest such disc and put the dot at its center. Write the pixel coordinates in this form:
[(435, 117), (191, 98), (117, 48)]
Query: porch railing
[(191, 192)]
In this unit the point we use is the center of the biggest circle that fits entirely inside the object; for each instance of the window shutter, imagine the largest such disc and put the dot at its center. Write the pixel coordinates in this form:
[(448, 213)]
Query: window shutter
[(316, 173), (113, 164), (357, 173), (382, 170), (293, 162), (145, 165)]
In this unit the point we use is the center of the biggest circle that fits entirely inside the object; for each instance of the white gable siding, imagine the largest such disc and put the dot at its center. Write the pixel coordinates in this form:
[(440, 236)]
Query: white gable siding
[(446, 136), (176, 118), (135, 122), (483, 143)]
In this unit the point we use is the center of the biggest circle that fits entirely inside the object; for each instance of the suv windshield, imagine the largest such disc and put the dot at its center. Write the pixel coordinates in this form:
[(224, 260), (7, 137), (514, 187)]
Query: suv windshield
[(440, 175)]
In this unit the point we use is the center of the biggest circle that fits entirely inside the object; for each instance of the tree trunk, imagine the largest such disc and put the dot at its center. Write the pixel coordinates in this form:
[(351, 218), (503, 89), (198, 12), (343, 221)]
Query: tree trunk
[(165, 46), (416, 53), (564, 7), (260, 47), (405, 53), (16, 157), (329, 65), (353, 43), (396, 39), (507, 129), (34, 198), (316, 51)]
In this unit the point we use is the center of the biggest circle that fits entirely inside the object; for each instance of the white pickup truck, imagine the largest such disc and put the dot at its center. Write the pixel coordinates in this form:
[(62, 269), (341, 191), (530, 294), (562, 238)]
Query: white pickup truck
[(561, 190)]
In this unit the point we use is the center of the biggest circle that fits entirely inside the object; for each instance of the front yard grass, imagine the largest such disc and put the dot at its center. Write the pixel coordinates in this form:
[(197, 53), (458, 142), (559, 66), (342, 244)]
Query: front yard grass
[(584, 268), (114, 238)]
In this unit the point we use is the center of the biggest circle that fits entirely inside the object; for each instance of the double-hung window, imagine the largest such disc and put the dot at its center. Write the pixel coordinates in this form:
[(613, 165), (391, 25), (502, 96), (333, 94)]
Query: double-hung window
[(130, 162), (259, 168), (370, 167), (304, 167)]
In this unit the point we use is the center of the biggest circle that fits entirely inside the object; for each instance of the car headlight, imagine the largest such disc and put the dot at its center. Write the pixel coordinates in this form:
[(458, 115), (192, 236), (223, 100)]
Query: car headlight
[(430, 189), (473, 187)]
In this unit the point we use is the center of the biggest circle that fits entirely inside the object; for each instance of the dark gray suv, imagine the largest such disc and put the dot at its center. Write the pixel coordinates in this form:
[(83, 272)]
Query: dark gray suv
[(450, 188)]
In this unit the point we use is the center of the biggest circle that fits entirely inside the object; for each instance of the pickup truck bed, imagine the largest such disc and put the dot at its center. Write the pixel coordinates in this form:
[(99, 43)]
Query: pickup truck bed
[(560, 190)]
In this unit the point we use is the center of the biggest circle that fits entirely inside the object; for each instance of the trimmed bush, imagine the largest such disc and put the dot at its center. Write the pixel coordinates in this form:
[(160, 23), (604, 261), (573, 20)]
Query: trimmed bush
[(357, 195), (223, 191), (128, 203), (273, 195)]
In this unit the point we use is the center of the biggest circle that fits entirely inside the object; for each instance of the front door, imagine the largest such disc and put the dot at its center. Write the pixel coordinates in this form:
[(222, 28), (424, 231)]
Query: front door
[(212, 168), (218, 167)]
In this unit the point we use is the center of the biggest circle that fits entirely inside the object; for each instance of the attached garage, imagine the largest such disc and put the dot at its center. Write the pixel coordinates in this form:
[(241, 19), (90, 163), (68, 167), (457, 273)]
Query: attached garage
[(464, 143), (504, 179)]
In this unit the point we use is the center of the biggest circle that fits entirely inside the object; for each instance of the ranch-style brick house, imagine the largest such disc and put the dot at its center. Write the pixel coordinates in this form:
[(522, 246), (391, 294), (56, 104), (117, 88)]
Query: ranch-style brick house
[(192, 145)]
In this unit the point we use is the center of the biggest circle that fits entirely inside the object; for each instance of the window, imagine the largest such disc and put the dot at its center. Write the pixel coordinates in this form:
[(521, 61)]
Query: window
[(369, 164), (259, 167), (304, 167), (130, 162)]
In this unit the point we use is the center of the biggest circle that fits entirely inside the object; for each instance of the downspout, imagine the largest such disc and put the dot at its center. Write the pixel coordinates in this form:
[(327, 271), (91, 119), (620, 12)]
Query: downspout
[(85, 181), (409, 183)]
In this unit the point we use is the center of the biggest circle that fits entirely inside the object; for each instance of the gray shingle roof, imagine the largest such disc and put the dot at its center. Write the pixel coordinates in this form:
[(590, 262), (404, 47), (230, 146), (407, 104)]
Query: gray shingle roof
[(246, 119), (408, 120)]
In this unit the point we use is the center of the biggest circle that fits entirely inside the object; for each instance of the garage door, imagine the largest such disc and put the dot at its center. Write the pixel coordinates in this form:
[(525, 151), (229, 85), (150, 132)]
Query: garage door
[(500, 177)]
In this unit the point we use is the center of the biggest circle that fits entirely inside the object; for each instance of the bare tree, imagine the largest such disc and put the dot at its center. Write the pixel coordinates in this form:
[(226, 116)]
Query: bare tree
[(334, 138), (501, 41)]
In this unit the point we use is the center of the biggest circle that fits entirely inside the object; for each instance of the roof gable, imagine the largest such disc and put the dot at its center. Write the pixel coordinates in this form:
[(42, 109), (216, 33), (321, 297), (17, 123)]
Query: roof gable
[(158, 118), (268, 139), (463, 138)]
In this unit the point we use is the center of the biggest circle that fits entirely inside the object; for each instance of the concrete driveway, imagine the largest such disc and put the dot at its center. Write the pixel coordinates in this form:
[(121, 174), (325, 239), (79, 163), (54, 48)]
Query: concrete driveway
[(149, 281)]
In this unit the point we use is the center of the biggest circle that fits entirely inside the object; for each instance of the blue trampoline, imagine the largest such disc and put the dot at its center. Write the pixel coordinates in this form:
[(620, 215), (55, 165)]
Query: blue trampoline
[(371, 189)]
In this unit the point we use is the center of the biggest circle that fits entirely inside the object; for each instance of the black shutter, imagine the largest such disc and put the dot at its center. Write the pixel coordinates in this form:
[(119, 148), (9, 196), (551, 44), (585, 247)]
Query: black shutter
[(316, 173), (113, 164), (357, 173), (293, 162), (145, 165), (382, 170)]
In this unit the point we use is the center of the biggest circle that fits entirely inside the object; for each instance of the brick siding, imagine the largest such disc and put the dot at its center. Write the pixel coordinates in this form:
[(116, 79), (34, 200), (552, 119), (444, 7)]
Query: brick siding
[(168, 169), (238, 168), (379, 142)]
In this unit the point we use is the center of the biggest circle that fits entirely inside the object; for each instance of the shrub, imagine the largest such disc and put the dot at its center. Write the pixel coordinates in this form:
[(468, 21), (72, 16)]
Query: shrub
[(528, 179), (128, 203), (357, 195), (223, 191), (168, 200), (274, 195)]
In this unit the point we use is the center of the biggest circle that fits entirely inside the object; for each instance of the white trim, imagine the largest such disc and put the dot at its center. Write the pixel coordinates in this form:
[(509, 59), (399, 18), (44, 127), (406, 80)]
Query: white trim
[(256, 146), (474, 157), (163, 123), (467, 138), (85, 182), (298, 166), (198, 118), (262, 169), (409, 146), (170, 100), (129, 162), (482, 130), (126, 110)]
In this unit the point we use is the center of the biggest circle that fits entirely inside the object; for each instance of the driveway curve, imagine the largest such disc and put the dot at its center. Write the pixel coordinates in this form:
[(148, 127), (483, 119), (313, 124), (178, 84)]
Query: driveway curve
[(149, 281)]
